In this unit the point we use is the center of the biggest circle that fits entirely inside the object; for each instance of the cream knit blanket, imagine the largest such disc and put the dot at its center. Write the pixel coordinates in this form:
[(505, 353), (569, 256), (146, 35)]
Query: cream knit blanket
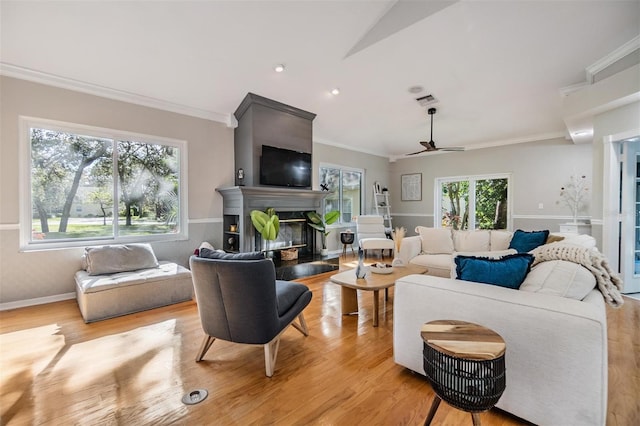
[(609, 283)]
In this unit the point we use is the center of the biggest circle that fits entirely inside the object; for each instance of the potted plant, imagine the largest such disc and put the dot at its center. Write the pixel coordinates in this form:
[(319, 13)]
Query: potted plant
[(320, 223), (267, 224)]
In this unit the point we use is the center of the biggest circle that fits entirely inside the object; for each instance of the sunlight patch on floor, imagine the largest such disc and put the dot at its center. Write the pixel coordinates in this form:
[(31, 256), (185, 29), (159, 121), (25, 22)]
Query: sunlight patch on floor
[(31, 352), (114, 378)]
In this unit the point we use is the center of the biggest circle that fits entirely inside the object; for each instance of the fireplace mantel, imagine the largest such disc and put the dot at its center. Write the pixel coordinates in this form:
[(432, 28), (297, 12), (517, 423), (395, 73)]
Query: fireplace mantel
[(238, 201)]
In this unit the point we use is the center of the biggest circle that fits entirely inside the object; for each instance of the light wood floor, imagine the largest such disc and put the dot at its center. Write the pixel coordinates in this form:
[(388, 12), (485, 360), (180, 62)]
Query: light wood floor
[(135, 369)]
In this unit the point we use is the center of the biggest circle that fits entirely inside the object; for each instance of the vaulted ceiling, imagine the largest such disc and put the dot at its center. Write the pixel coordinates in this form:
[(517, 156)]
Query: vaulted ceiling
[(496, 68)]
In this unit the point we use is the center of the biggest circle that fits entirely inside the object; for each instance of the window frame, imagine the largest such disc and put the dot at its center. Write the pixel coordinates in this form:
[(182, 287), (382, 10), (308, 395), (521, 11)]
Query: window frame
[(25, 185), (340, 222), (437, 195)]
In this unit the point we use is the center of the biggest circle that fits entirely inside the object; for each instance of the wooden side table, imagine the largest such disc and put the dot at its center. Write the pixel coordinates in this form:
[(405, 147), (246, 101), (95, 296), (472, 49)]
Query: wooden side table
[(465, 365)]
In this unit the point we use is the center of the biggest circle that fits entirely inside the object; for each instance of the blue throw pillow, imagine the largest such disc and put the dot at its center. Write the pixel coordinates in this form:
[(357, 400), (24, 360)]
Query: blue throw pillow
[(508, 271), (523, 241), (215, 254)]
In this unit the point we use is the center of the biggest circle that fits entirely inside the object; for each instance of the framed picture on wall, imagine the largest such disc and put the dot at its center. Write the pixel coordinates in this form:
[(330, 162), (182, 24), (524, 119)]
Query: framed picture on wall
[(411, 187)]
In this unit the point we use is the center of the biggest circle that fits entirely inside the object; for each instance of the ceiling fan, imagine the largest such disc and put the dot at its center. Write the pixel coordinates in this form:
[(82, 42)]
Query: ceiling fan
[(431, 145)]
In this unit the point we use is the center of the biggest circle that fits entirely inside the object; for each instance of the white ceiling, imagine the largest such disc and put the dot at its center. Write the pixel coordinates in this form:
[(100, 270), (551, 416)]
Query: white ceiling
[(495, 67)]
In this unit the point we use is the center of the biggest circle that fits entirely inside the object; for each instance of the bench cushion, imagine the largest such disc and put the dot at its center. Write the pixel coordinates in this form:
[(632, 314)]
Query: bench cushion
[(92, 284)]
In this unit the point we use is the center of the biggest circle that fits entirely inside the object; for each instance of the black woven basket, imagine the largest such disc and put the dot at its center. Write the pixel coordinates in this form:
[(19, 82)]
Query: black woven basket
[(469, 385)]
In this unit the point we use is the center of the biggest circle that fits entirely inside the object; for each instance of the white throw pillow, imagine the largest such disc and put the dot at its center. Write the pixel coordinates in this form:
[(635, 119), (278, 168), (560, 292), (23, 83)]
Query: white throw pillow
[(435, 240), (119, 258), (500, 240), (560, 278), (479, 240)]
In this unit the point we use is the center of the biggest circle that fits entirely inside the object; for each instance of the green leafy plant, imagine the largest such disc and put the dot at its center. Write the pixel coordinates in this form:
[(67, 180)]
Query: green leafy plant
[(266, 223), (320, 223)]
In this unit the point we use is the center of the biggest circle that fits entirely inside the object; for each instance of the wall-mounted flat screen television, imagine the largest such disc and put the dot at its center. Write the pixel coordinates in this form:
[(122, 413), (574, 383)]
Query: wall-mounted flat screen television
[(285, 167)]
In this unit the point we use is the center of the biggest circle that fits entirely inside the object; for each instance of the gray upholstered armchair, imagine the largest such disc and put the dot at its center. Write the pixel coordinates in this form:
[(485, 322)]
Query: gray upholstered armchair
[(241, 301)]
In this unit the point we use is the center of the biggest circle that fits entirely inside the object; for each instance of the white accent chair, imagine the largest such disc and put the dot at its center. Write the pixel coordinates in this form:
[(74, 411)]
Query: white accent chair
[(371, 234)]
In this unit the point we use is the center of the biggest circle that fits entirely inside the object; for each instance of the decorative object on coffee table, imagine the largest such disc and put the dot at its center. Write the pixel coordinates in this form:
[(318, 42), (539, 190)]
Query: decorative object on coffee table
[(361, 271), (397, 235), (465, 365), (372, 282)]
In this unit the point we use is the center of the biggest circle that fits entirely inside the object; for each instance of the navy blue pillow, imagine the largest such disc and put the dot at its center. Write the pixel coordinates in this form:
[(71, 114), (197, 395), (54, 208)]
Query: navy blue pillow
[(524, 241), (214, 254), (508, 271)]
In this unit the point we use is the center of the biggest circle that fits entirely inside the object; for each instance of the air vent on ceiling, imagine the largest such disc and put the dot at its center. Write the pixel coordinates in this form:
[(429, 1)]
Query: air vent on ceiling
[(427, 100)]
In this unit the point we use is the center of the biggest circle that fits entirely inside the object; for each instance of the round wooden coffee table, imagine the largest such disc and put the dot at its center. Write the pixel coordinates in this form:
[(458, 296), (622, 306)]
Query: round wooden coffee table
[(372, 282), (465, 365)]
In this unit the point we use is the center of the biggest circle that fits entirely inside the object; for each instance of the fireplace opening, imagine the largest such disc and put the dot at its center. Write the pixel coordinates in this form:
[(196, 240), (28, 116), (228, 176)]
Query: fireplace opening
[(294, 233)]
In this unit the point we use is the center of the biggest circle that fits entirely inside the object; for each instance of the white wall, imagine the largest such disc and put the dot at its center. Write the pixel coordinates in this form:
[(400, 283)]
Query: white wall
[(538, 170), (42, 274)]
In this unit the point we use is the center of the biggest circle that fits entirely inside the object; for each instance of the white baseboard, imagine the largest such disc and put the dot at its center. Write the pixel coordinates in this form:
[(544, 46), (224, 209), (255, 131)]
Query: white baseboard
[(37, 301)]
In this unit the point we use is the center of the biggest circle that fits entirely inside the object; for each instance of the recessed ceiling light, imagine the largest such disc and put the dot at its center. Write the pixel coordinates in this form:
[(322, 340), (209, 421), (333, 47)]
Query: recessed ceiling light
[(416, 89), (279, 68), (583, 133), (335, 91)]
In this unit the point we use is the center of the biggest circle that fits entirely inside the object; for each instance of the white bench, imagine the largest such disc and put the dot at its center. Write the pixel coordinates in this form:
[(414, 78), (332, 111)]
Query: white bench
[(119, 293), (107, 296)]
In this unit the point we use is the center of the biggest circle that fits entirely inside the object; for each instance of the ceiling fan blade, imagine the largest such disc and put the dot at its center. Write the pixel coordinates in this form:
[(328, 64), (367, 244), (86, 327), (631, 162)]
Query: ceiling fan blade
[(419, 152), (452, 148)]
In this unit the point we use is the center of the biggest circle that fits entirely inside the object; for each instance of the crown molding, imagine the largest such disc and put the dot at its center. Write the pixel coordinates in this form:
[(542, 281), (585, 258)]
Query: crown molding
[(611, 58), (22, 73)]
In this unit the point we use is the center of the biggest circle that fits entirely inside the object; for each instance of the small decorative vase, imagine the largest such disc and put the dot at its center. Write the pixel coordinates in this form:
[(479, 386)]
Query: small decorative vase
[(397, 262), (361, 271), (324, 252), (267, 252)]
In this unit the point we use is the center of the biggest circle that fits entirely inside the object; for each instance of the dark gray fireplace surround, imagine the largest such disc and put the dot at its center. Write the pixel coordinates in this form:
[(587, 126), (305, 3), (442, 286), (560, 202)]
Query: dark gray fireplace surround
[(291, 206), (263, 121)]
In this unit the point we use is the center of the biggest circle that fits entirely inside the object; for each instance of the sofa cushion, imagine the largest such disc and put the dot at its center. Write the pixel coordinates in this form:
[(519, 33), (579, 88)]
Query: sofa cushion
[(525, 241), (560, 278), (479, 240), (116, 258), (438, 265), (435, 240), (500, 239), (216, 254), (508, 271)]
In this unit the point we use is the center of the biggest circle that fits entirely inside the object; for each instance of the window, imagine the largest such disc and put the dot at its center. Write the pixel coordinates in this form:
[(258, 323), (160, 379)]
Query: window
[(473, 202), (88, 184), (345, 186)]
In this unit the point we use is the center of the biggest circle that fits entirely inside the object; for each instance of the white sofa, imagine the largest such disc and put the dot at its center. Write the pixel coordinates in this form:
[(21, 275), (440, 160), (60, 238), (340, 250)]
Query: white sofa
[(556, 346), (435, 248)]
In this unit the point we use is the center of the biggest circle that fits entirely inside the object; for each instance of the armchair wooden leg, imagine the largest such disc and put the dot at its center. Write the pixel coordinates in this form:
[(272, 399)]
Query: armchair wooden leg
[(302, 326), (270, 355), (204, 347)]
